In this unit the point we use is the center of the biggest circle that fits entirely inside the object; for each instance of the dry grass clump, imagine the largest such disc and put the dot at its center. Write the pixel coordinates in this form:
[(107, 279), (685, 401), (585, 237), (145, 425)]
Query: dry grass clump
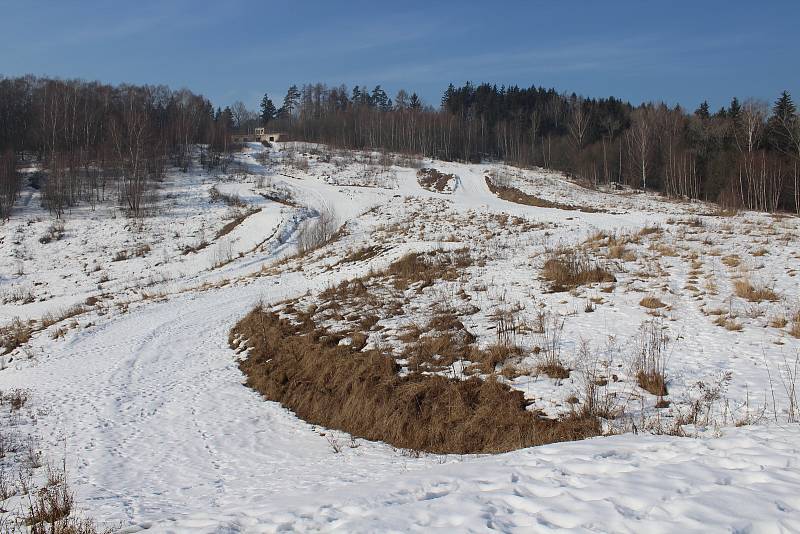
[(731, 260), (779, 321), (14, 334), (434, 180), (51, 318), (362, 393), (746, 290), (50, 509), (728, 322), (621, 252), (651, 359), (441, 342), (568, 269), (794, 329), (425, 267), (649, 230), (651, 302)]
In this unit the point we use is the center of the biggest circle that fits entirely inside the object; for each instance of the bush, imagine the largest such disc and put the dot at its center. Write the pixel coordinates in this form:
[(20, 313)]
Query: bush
[(317, 231)]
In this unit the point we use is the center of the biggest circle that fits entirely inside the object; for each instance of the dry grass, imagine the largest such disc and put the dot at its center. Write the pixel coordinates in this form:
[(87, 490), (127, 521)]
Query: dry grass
[(779, 321), (512, 194), (363, 254), (236, 221), (568, 269), (728, 323), (746, 290), (652, 382), (425, 267), (651, 302), (361, 393), (14, 335), (434, 180), (794, 329), (731, 260), (621, 252)]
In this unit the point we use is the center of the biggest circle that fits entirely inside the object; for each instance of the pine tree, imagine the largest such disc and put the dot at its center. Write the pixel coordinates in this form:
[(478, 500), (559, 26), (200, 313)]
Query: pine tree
[(414, 102), (447, 98), (357, 97), (290, 102), (268, 111), (227, 119), (735, 110), (380, 100), (702, 111), (783, 126)]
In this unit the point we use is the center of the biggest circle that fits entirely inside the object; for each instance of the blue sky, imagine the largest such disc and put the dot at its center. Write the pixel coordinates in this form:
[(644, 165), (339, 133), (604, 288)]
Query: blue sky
[(678, 52)]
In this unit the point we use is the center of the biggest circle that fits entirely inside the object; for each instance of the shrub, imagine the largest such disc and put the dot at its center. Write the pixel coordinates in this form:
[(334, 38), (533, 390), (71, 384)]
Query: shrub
[(317, 231)]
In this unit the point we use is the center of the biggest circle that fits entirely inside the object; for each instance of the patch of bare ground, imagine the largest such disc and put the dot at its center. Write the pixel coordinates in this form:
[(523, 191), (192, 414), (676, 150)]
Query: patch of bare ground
[(512, 194), (434, 180), (361, 392)]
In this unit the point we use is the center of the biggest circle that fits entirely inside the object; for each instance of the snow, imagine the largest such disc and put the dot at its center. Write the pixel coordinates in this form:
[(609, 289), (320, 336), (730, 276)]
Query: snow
[(146, 398)]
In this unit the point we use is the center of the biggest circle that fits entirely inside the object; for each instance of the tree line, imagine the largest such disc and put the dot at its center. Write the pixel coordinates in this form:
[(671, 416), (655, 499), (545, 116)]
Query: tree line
[(745, 155), (97, 142)]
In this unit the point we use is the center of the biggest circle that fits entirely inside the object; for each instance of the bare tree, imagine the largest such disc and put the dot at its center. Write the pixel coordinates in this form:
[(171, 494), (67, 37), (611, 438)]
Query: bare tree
[(129, 134), (241, 115), (9, 182), (640, 142)]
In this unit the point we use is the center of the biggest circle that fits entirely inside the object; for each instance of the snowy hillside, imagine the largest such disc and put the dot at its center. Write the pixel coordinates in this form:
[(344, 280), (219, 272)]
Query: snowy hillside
[(673, 324)]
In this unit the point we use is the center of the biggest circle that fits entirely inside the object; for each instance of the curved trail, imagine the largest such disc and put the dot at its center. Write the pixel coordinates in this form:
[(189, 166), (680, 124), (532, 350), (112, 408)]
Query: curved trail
[(160, 433)]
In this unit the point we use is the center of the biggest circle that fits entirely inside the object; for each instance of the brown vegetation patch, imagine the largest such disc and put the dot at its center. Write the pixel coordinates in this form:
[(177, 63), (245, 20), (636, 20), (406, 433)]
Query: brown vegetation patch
[(14, 335), (568, 269), (652, 382), (236, 221), (651, 302), (425, 267), (731, 260), (363, 254), (746, 290), (361, 393), (553, 370), (437, 181), (512, 194)]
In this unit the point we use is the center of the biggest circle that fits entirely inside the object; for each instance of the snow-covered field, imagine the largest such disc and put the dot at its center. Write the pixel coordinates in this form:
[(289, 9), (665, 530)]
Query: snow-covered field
[(134, 381)]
